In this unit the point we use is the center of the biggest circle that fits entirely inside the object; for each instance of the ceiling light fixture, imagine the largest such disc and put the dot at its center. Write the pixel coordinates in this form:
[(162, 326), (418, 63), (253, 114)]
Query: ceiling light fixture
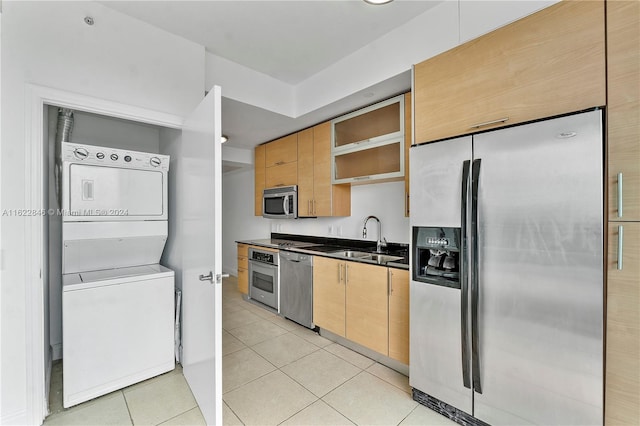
[(376, 2), (223, 139)]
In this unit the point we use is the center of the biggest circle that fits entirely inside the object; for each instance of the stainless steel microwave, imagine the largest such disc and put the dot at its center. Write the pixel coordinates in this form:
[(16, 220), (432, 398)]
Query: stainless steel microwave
[(280, 202)]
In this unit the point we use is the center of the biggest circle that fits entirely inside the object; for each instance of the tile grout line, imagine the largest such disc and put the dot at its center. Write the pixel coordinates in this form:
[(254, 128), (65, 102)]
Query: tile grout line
[(126, 403)]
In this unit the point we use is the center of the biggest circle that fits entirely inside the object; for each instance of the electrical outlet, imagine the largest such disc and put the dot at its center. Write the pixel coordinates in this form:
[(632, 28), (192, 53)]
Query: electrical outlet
[(330, 229)]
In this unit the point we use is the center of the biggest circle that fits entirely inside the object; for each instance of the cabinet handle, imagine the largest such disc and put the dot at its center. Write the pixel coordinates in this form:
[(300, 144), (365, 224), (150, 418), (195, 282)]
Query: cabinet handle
[(406, 204), (339, 272), (362, 178), (314, 208), (390, 282), (620, 245), (620, 194), (309, 207), (346, 273), (489, 123), (279, 163)]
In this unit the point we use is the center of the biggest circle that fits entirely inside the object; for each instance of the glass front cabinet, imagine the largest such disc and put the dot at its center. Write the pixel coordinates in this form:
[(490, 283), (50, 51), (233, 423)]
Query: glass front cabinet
[(368, 144)]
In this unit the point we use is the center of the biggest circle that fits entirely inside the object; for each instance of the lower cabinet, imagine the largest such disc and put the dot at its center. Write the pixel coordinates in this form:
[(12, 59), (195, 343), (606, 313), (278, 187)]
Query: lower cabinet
[(329, 294), (622, 388), (399, 315), (243, 268), (367, 304)]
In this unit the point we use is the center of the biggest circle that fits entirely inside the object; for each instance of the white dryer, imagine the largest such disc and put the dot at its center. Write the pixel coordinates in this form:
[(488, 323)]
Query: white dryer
[(117, 301)]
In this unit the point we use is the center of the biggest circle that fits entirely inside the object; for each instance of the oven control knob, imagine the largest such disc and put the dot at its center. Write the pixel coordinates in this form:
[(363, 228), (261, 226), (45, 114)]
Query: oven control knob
[(100, 155), (155, 161), (127, 158), (80, 153), (114, 157)]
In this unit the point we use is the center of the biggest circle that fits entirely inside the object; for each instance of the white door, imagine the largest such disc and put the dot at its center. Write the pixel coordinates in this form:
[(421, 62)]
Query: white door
[(201, 208)]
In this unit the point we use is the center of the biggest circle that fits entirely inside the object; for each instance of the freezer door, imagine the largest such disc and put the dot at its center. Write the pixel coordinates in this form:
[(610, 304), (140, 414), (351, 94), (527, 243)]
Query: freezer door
[(540, 251), (435, 179), (435, 350)]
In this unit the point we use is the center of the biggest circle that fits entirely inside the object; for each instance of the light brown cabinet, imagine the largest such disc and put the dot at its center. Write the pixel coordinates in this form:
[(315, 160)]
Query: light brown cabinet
[(622, 405), (622, 377), (281, 157), (243, 268), (399, 315), (623, 109), (367, 301), (282, 151), (407, 146), (316, 195), (329, 294), (259, 177), (367, 304), (549, 63)]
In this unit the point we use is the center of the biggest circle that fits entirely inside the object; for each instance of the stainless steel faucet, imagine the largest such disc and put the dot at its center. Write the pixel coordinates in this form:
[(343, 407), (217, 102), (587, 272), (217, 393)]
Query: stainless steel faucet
[(382, 242)]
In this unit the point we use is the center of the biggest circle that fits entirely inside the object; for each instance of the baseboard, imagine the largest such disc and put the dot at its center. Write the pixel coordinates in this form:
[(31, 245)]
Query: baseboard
[(382, 359), (17, 418)]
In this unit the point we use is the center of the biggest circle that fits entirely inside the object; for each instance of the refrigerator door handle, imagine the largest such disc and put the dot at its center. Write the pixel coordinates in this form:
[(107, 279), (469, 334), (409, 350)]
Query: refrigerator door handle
[(475, 339), (464, 267)]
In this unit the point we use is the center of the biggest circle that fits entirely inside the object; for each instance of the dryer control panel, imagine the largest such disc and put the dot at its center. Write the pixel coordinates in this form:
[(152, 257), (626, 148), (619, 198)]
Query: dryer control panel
[(98, 155)]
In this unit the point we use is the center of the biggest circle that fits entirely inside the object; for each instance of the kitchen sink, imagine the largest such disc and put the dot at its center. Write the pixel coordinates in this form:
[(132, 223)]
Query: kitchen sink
[(361, 255), (351, 253), (381, 258)]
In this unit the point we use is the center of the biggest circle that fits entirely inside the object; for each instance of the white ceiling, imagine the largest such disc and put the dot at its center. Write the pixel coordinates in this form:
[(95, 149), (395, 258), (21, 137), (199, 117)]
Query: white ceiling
[(287, 40)]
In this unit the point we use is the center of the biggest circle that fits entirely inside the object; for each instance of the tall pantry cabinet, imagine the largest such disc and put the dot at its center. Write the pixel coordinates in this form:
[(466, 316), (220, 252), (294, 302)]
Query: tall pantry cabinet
[(622, 393)]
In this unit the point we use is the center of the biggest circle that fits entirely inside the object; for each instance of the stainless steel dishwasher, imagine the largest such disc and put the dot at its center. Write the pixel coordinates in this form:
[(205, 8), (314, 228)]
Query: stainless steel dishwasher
[(296, 287)]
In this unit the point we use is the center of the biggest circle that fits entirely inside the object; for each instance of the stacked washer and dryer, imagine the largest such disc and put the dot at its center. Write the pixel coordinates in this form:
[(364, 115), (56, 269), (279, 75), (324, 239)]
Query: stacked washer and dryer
[(117, 300)]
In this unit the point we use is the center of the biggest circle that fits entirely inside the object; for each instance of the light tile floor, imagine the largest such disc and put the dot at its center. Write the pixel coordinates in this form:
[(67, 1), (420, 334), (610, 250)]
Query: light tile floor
[(274, 372)]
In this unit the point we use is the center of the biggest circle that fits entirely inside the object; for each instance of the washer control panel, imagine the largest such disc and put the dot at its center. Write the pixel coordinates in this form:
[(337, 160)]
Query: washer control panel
[(97, 155)]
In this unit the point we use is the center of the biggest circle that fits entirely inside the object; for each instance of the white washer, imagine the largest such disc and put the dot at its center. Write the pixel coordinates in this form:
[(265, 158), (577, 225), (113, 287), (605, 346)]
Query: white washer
[(118, 329)]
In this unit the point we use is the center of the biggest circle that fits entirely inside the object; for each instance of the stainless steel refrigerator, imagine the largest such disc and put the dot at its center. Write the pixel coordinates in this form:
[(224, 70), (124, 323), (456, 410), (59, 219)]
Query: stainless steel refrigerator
[(507, 274)]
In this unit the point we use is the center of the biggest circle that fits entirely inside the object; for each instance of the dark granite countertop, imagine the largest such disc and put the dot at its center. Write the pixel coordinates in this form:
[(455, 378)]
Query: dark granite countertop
[(325, 246)]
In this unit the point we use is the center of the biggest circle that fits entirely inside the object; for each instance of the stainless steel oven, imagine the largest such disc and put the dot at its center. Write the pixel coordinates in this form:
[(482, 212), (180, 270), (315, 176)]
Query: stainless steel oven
[(263, 276)]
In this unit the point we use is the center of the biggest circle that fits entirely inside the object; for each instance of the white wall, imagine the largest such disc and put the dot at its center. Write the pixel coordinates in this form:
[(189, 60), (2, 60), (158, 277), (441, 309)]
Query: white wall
[(119, 59), (384, 200)]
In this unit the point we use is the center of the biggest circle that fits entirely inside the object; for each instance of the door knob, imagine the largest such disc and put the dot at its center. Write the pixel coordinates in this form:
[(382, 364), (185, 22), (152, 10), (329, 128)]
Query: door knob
[(208, 277)]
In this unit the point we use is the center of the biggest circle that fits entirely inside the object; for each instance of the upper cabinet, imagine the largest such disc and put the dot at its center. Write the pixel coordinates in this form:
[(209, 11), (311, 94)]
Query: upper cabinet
[(316, 195), (368, 144), (302, 159), (549, 63), (259, 177), (623, 103), (281, 157)]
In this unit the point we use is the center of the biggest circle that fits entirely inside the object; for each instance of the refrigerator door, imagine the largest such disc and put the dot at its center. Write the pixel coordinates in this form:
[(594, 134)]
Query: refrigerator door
[(435, 179), (540, 281), (435, 350), (435, 322)]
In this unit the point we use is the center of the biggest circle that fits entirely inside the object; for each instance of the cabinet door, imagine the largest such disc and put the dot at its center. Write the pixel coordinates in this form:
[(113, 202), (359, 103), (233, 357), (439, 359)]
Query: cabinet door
[(549, 63), (399, 315), (305, 172), (623, 104), (622, 378), (329, 294), (282, 151), (329, 200), (243, 267), (259, 177), (407, 145), (367, 302), (282, 175)]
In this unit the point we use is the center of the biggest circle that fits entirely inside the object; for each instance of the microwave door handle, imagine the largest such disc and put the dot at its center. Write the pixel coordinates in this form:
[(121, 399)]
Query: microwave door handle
[(285, 204)]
